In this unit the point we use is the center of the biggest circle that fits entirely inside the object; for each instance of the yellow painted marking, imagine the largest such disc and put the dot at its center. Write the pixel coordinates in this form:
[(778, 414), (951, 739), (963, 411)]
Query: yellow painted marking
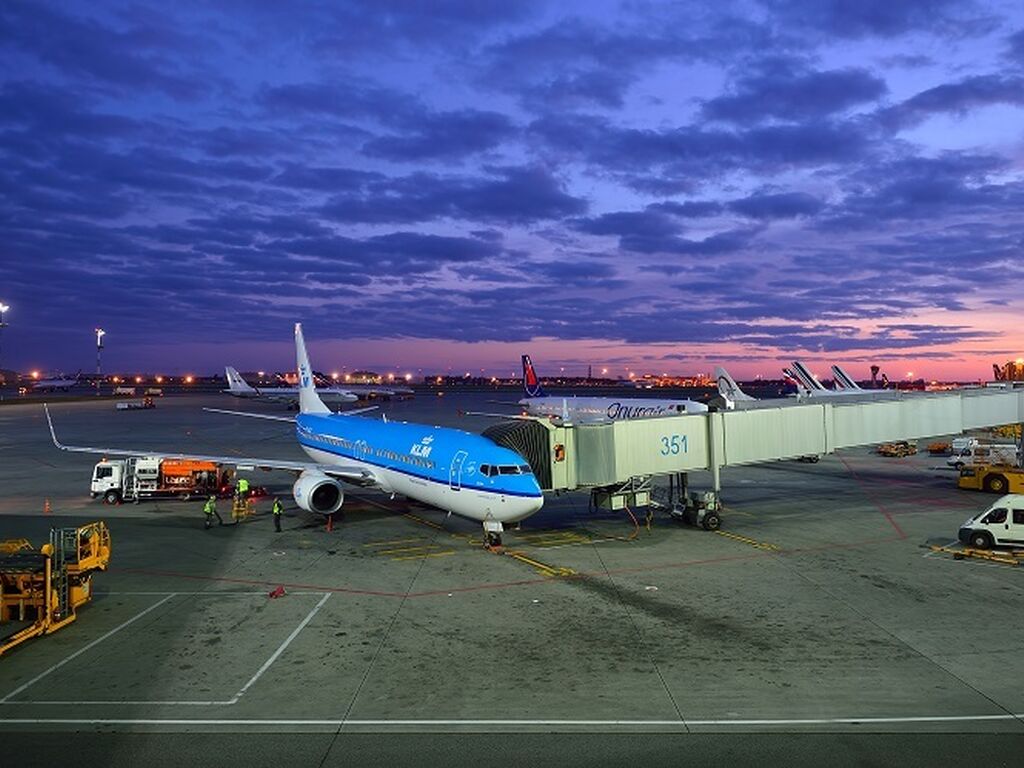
[(752, 542), (427, 554), (421, 548), (393, 541), (544, 568), (418, 519), (1012, 557)]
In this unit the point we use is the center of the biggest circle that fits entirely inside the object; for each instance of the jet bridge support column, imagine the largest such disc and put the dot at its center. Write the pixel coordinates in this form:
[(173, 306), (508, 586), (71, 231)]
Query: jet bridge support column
[(715, 451)]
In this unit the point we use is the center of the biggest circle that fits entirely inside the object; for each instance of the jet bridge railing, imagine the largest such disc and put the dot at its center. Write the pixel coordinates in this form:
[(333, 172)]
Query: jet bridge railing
[(593, 455)]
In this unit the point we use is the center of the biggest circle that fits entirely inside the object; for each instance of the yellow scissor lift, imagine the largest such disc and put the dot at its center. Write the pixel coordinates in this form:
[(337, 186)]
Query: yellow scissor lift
[(40, 590)]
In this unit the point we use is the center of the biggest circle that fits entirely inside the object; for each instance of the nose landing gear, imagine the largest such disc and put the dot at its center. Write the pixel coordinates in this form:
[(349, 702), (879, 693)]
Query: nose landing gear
[(492, 534)]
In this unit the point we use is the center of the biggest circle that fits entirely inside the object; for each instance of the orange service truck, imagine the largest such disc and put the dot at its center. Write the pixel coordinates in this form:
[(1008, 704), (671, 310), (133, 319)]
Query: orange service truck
[(134, 479)]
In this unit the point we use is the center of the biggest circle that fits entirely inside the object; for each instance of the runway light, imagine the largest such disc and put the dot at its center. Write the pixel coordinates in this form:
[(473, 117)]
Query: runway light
[(260, 373), (604, 371), (334, 376), (348, 377), (115, 379), (188, 379), (138, 379), (159, 379), (408, 377), (35, 374), (910, 374), (391, 377)]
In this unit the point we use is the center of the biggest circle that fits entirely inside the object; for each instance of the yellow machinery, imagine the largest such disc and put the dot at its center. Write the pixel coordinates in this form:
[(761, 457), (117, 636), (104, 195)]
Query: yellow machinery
[(992, 478), (40, 590)]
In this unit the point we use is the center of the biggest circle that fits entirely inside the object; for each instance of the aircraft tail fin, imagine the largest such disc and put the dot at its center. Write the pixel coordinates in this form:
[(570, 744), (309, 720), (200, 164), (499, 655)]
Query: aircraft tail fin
[(309, 400), (236, 384), (728, 388), (805, 377), (844, 380), (531, 384)]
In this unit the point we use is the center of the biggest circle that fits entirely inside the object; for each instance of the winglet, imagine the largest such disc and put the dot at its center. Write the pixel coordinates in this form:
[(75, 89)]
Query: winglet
[(309, 400)]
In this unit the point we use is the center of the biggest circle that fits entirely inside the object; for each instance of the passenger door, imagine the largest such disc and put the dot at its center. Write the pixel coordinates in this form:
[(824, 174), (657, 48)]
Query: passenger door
[(455, 471)]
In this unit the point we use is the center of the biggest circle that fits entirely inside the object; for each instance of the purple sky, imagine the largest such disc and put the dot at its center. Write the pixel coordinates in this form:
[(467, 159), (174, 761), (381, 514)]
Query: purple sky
[(446, 185)]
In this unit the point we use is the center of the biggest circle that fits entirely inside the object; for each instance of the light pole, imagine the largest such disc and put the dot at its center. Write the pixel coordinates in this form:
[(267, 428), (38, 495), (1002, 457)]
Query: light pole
[(3, 308), (100, 333)]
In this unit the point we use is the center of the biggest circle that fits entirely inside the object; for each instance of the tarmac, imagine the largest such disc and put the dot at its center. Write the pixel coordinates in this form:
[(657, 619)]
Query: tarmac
[(817, 621)]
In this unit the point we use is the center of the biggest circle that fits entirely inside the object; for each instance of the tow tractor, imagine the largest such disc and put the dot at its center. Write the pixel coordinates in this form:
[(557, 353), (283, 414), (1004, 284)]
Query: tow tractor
[(41, 590), (136, 405)]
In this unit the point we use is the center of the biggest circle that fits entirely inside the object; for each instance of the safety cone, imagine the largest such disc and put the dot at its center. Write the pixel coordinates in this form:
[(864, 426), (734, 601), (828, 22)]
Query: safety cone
[(46, 507)]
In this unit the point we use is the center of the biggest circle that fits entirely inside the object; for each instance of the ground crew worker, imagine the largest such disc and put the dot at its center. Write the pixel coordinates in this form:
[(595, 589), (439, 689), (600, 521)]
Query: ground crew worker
[(242, 488), (277, 509), (210, 508)]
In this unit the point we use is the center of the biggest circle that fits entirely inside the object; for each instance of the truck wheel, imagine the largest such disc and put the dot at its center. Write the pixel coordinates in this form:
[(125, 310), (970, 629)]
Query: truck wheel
[(186, 496), (995, 484), (711, 522), (111, 497), (958, 466), (981, 540)]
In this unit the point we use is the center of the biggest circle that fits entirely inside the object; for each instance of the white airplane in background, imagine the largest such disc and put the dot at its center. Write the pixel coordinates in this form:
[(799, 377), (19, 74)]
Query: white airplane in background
[(61, 383), (239, 387), (464, 473), (364, 391), (592, 409), (808, 386)]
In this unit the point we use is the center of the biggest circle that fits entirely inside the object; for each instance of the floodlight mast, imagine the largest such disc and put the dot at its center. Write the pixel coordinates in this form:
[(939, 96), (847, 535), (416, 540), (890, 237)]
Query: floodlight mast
[(100, 333)]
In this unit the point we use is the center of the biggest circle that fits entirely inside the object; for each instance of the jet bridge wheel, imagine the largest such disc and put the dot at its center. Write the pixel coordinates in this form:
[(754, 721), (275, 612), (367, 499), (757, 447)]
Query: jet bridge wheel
[(711, 522), (493, 539)]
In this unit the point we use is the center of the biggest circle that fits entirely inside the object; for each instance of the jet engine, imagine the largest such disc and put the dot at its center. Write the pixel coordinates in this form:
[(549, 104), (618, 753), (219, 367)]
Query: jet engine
[(316, 492)]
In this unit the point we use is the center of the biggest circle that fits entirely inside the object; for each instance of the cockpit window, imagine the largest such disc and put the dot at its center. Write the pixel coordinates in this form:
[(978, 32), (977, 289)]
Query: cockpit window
[(525, 469), (506, 469), (485, 470)]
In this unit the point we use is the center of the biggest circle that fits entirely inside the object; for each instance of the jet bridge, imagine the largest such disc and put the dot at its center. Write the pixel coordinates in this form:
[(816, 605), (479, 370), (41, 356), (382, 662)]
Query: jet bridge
[(614, 455)]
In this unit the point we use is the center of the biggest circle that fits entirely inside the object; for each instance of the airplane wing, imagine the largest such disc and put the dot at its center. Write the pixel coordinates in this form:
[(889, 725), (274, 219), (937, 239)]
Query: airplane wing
[(352, 473)]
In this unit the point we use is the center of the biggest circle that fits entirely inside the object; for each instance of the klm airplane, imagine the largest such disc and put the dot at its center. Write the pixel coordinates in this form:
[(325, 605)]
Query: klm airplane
[(457, 471)]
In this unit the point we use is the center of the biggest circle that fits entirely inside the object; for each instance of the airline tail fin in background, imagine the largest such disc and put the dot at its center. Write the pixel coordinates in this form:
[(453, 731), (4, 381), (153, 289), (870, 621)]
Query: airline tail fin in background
[(309, 400), (728, 388), (531, 384), (844, 380), (236, 384), (806, 378)]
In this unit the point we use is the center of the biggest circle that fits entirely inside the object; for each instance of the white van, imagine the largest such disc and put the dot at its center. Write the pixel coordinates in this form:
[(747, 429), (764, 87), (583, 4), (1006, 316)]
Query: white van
[(1002, 524)]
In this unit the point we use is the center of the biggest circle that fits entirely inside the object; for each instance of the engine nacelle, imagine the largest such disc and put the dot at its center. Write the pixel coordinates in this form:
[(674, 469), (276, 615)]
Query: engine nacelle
[(316, 492)]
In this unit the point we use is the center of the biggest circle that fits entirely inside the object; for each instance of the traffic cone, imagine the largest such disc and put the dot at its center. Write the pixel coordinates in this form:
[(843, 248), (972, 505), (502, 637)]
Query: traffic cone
[(46, 507)]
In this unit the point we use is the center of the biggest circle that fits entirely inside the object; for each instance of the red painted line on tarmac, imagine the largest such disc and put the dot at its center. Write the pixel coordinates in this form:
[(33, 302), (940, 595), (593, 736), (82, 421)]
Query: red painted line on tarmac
[(519, 583), (878, 505)]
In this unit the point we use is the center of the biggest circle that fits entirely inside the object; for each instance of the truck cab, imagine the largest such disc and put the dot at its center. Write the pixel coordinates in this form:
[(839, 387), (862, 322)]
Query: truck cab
[(1001, 525), (108, 480)]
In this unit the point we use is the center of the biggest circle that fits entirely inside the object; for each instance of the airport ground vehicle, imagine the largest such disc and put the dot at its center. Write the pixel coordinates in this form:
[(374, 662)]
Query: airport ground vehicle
[(939, 448), (40, 590), (134, 479), (984, 453), (154, 392), (130, 391), (136, 405), (898, 449), (1002, 524), (998, 479)]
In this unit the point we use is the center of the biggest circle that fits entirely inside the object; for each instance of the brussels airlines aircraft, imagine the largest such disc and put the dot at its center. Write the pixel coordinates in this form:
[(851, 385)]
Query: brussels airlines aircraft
[(464, 473), (583, 409), (53, 385)]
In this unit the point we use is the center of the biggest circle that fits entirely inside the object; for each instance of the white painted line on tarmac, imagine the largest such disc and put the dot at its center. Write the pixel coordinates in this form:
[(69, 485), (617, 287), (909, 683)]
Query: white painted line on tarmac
[(520, 723), (228, 702), (76, 654), (280, 649)]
